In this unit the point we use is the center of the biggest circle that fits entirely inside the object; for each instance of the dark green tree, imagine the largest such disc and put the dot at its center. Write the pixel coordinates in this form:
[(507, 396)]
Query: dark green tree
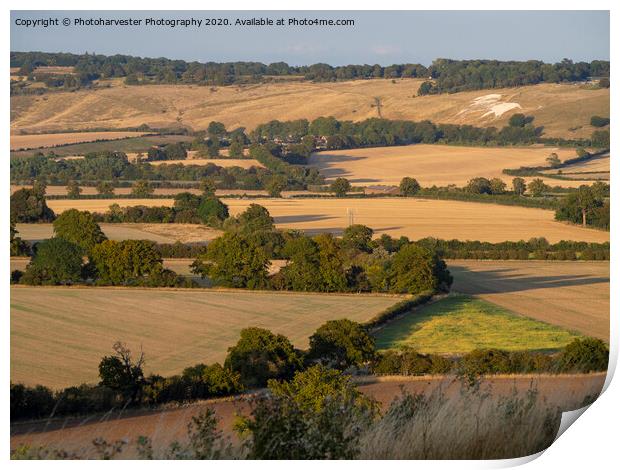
[(122, 373), (340, 187), (415, 269), (341, 344), (80, 228), (260, 355), (409, 186), (519, 186), (28, 205), (55, 261)]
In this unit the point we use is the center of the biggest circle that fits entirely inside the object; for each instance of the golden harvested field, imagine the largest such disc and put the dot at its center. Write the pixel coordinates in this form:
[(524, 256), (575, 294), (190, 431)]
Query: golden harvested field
[(563, 109), (52, 140), (159, 233), (415, 218), (59, 334), (223, 162), (438, 165), (597, 167), (571, 294), (566, 392)]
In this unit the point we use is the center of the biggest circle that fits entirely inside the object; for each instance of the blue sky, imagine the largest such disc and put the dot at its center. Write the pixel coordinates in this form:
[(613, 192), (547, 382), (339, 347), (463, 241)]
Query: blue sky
[(378, 37)]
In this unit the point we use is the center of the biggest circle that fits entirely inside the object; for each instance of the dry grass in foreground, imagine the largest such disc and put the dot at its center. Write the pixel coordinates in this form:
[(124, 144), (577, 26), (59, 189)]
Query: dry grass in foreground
[(505, 416)]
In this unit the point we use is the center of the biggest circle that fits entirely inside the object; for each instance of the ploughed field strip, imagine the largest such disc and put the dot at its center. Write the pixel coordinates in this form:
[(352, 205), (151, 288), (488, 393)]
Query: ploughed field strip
[(570, 294), (59, 335), (459, 324), (415, 218)]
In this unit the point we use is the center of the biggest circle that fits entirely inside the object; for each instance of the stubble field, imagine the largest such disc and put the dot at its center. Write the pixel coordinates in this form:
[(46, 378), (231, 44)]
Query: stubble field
[(59, 335), (570, 294), (65, 138), (438, 165), (414, 218)]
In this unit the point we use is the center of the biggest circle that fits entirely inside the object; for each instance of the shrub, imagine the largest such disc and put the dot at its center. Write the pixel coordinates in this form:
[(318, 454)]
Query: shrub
[(341, 344), (584, 355), (55, 261), (260, 355), (28, 205)]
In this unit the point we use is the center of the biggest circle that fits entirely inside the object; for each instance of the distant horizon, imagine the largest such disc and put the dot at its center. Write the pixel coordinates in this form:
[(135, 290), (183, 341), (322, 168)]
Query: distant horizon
[(377, 37), (306, 64)]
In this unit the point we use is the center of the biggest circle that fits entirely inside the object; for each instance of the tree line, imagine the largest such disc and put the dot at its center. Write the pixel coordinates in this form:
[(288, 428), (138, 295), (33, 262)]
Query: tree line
[(451, 76), (261, 357), (448, 75)]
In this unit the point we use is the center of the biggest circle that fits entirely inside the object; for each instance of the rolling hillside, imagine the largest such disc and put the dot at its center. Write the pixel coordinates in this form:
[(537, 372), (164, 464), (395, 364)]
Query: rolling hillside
[(563, 109)]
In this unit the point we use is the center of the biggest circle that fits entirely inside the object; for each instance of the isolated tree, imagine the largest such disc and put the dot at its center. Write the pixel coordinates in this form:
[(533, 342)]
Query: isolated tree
[(553, 160), (409, 186), (28, 205), (537, 187), (341, 344), (340, 187), (519, 186), (233, 260), (80, 228), (122, 373), (260, 355), (142, 188), (105, 188), (55, 261)]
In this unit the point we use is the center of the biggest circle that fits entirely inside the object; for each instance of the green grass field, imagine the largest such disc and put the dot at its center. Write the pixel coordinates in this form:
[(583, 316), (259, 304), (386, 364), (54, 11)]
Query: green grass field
[(459, 324)]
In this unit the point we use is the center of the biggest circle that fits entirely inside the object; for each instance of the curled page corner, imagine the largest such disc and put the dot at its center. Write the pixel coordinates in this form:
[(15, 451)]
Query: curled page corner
[(568, 418)]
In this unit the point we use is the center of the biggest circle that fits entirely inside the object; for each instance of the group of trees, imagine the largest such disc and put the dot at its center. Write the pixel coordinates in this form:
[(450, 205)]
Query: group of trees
[(586, 206), (79, 252), (535, 248), (450, 76), (323, 263), (262, 358), (188, 208)]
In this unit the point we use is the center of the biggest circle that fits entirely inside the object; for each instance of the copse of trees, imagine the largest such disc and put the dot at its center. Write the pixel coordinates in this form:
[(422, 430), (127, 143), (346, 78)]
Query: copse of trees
[(586, 206), (341, 344), (56, 261), (535, 248), (409, 186), (450, 76), (598, 121), (28, 206)]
